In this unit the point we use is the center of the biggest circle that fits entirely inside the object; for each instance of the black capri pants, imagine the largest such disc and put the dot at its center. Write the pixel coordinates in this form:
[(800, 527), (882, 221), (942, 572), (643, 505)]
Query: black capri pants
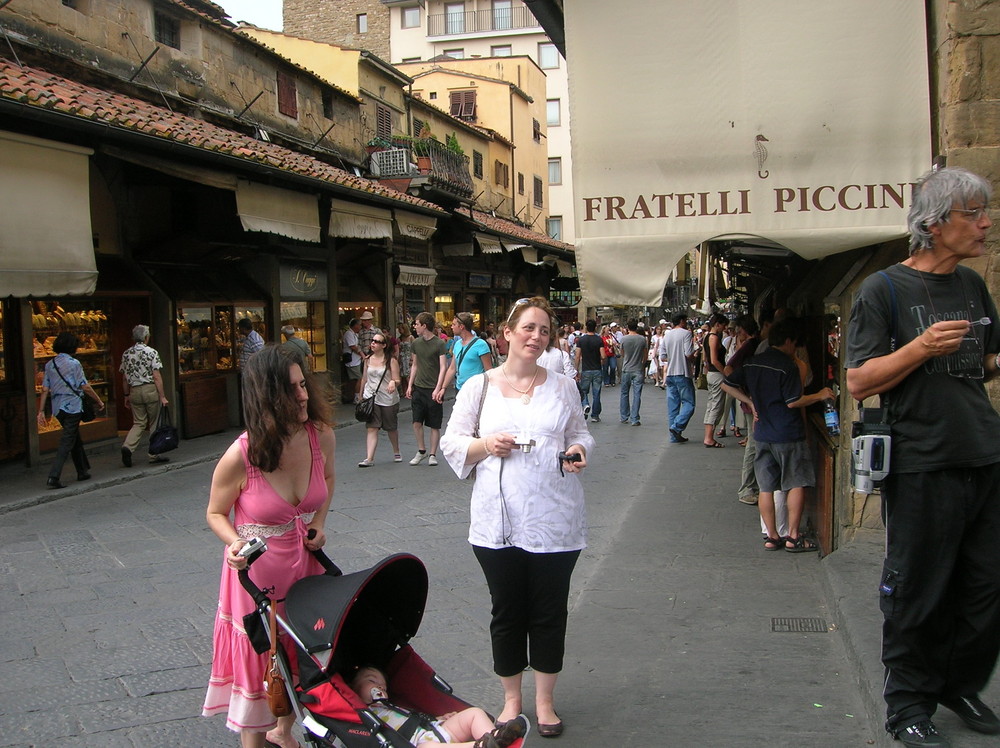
[(530, 594)]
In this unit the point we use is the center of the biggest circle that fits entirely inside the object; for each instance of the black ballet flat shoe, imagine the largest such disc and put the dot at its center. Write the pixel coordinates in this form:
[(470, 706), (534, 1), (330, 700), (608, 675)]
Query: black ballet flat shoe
[(54, 483), (83, 476)]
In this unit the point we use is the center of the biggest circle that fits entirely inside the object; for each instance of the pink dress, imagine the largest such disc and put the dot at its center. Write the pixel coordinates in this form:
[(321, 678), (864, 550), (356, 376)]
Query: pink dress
[(236, 682)]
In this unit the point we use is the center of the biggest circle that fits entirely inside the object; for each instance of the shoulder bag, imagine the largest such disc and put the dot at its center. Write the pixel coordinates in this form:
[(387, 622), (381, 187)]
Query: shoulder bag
[(364, 411), (164, 438), (88, 413), (274, 684)]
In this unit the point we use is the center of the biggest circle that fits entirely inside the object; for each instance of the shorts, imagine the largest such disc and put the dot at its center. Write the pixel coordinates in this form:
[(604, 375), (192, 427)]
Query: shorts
[(354, 372), (426, 409), (385, 417), (782, 466)]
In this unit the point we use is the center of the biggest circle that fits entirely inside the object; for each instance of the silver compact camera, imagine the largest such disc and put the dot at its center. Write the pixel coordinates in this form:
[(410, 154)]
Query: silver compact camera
[(253, 548), (871, 444), (525, 445)]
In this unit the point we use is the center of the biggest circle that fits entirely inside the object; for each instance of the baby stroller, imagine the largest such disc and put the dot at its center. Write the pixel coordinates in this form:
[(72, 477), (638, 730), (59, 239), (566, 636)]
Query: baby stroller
[(341, 622)]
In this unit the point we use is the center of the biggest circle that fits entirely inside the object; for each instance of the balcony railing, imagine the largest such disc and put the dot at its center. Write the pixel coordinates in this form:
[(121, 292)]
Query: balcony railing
[(477, 21), (447, 168)]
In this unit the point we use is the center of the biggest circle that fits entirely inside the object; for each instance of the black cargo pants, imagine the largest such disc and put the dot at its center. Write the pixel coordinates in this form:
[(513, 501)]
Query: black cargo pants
[(940, 588)]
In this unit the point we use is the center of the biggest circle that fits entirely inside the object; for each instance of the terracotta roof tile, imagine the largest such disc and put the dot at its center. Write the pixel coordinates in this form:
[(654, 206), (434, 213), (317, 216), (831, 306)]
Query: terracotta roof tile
[(515, 230), (39, 88)]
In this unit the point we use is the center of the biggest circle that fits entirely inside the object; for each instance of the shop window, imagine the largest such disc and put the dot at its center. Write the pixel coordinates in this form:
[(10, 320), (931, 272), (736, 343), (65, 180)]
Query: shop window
[(309, 320), (88, 320)]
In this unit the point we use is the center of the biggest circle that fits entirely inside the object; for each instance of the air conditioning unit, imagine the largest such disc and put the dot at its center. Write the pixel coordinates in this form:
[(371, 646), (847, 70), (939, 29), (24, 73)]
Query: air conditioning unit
[(394, 162)]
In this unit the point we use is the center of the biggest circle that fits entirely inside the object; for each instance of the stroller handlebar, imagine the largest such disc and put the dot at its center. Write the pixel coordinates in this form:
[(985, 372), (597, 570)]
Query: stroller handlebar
[(258, 595)]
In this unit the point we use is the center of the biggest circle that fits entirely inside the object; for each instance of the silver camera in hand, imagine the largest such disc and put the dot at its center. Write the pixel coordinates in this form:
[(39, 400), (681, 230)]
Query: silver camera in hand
[(253, 548), (525, 445)]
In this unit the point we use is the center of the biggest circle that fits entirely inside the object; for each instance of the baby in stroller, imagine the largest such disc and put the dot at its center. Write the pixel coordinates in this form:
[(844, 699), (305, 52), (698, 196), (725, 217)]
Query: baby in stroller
[(471, 727)]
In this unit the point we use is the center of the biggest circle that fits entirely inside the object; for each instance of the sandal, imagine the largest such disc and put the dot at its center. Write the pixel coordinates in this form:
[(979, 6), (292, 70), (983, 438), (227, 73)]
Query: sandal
[(714, 445), (800, 545), (737, 432), (742, 442), (773, 544), (720, 434)]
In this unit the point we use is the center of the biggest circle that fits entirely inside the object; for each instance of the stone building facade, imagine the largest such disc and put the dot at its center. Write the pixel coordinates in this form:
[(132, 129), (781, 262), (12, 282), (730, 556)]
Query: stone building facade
[(337, 22)]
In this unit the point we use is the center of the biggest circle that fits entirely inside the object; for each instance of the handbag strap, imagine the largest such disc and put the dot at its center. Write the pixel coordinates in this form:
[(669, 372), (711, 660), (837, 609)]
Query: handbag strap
[(72, 388), (272, 618), (163, 419), (482, 399)]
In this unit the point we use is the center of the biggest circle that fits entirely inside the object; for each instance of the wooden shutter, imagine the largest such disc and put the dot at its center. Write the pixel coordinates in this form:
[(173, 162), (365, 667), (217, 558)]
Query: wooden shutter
[(287, 101)]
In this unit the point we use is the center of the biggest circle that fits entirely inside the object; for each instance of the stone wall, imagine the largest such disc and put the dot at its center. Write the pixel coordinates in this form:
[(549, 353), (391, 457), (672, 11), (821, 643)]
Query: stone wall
[(335, 22)]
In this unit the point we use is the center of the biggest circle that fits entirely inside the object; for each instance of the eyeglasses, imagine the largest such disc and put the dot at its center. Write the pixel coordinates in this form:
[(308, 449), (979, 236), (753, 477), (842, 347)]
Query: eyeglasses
[(973, 214), (517, 303), (376, 340)]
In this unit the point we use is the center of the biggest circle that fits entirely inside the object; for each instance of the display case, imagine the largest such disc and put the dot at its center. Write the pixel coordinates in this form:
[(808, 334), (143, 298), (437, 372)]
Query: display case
[(309, 320), (207, 340), (86, 319)]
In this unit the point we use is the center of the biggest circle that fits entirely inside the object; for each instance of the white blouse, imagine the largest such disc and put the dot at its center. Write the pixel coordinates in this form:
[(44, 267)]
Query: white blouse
[(522, 500)]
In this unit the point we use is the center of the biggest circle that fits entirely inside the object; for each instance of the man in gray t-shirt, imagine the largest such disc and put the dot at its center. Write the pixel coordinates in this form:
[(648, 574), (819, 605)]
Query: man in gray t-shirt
[(634, 350)]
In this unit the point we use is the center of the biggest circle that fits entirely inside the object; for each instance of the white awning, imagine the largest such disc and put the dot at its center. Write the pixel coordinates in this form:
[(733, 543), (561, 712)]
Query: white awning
[(274, 210), (512, 246), (457, 250), (410, 275), (209, 177), (357, 221), (565, 269), (415, 225), (530, 255), (46, 239), (786, 120), (488, 245)]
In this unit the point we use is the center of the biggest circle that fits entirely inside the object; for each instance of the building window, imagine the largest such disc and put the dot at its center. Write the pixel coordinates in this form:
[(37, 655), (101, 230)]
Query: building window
[(501, 15), (553, 113), (555, 171), (536, 197), (520, 183), (477, 164), (548, 56), (411, 17), (287, 102), (418, 127), (167, 30), (362, 23), (463, 105), (536, 131), (553, 227), (383, 122), (501, 50), (411, 59), (458, 54), (433, 95), (501, 173), (328, 104), (454, 18)]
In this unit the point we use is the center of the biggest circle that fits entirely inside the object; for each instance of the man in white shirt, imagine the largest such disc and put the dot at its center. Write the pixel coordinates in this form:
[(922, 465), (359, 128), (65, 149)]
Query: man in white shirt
[(676, 352)]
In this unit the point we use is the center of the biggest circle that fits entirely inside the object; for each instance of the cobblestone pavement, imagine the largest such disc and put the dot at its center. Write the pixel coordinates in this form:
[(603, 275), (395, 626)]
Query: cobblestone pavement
[(107, 599)]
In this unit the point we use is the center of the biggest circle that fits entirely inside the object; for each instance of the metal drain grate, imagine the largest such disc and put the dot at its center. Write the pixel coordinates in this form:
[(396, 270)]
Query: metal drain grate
[(799, 626)]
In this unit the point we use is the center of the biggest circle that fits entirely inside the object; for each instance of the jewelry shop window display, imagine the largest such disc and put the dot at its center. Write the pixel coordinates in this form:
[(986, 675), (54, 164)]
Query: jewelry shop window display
[(87, 319), (309, 320)]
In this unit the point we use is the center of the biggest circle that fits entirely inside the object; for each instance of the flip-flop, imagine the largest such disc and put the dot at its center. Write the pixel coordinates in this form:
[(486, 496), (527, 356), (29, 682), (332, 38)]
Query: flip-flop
[(714, 445)]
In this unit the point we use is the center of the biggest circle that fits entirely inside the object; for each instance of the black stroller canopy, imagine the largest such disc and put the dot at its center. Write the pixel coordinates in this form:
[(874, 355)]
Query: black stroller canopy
[(363, 616)]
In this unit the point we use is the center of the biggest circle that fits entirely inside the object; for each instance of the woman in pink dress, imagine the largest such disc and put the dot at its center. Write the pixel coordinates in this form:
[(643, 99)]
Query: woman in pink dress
[(276, 482)]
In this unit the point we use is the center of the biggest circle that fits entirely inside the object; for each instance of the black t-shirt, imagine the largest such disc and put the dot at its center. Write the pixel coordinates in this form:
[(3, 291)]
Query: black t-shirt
[(940, 414), (590, 352)]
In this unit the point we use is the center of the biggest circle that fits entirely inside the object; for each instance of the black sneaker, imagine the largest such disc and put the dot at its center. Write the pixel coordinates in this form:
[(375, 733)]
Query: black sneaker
[(126, 457), (974, 713), (922, 733)]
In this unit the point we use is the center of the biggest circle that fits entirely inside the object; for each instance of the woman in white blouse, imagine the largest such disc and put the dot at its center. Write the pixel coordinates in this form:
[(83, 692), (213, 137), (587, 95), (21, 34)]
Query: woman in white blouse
[(528, 523)]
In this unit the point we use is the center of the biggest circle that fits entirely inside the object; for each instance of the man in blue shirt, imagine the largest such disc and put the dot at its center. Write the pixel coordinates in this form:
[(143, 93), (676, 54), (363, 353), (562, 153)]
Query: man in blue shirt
[(771, 385)]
